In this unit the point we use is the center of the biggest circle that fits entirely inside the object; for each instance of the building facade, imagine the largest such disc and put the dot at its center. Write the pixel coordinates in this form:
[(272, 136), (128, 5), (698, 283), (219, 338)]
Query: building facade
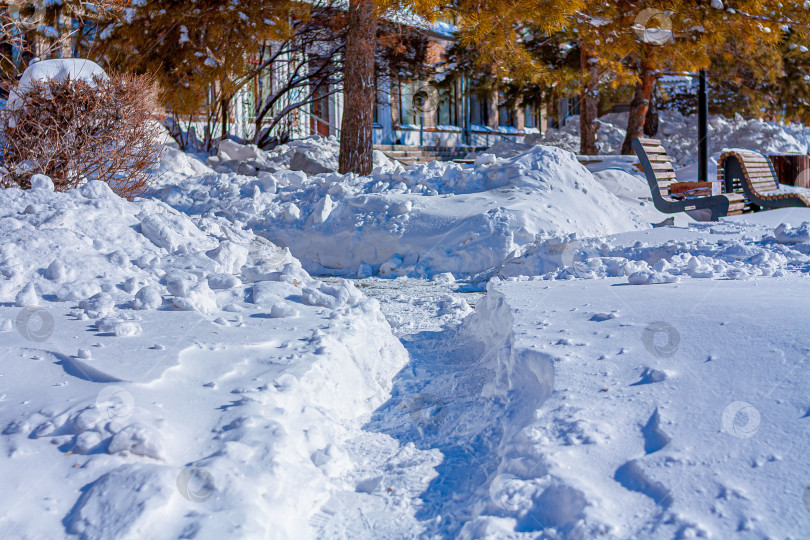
[(414, 112)]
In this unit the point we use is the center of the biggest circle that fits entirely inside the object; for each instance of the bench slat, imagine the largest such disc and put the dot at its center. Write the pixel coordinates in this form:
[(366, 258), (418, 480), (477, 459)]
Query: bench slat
[(666, 166), (650, 142), (762, 180)]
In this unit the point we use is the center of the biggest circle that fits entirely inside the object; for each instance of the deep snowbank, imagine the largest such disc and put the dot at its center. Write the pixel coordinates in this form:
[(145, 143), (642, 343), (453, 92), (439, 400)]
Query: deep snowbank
[(421, 220), (169, 376)]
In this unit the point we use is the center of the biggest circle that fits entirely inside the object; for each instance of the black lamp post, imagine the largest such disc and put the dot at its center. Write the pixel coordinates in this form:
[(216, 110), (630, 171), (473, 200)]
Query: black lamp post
[(703, 129)]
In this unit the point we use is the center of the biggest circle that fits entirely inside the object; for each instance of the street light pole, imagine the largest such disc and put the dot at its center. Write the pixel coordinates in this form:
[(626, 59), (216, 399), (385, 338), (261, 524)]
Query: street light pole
[(703, 129)]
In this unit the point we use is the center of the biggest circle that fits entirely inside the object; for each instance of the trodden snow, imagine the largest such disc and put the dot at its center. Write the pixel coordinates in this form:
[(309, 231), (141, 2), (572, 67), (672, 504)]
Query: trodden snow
[(264, 348)]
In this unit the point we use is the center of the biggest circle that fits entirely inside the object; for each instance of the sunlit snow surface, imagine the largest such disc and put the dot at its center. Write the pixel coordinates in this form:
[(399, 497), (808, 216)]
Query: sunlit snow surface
[(536, 360)]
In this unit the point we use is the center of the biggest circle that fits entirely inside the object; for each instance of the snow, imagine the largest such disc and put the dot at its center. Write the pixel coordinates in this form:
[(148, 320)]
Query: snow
[(679, 135), (421, 220), (313, 155), (740, 248), (76, 69), (262, 405), (671, 420), (519, 354)]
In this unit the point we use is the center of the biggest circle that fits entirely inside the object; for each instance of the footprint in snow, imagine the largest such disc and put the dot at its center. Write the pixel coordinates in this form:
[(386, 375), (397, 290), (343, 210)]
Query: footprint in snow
[(649, 376), (632, 475), (654, 437)]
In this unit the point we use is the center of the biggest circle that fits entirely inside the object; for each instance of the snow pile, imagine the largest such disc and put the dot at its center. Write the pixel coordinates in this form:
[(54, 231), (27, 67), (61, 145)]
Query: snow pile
[(623, 184), (679, 135), (737, 249), (314, 155), (422, 220), (609, 137), (503, 149), (103, 250), (173, 375)]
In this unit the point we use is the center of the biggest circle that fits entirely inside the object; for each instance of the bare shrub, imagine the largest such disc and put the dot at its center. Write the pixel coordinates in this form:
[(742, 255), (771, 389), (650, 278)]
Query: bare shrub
[(75, 131)]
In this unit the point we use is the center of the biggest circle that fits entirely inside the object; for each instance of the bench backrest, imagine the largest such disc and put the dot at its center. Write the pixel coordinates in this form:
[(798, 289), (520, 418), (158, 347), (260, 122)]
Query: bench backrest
[(757, 167), (656, 164)]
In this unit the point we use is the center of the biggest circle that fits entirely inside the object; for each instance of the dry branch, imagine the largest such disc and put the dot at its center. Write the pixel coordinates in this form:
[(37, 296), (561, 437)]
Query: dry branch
[(74, 131)]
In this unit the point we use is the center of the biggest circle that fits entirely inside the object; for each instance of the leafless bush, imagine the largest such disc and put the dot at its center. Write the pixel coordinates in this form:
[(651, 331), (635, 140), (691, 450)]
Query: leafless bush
[(74, 131)]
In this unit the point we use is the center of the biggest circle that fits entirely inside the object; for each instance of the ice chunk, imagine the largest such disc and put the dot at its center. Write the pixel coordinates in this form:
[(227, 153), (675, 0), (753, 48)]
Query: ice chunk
[(27, 297), (148, 298), (40, 181), (283, 309), (231, 256)]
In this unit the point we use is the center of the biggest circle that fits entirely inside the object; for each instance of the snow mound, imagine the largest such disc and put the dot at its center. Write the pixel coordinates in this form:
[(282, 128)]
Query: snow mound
[(313, 155), (89, 242), (176, 165), (736, 250), (623, 184), (503, 149), (176, 375), (786, 234), (423, 220)]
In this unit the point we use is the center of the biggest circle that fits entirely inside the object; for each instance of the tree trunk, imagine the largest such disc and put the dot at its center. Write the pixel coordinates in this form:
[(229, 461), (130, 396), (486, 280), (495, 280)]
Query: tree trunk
[(639, 107), (224, 107), (493, 119), (588, 104), (651, 120), (358, 89)]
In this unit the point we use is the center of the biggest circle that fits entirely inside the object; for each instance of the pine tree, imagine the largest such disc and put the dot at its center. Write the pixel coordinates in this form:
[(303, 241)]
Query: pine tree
[(623, 39), (701, 31), (514, 38), (359, 94), (358, 89)]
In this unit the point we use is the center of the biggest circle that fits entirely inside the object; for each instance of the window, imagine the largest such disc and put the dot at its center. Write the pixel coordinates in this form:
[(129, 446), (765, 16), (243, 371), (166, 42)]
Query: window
[(479, 115), (447, 107), (534, 116), (530, 121), (407, 114), (506, 116)]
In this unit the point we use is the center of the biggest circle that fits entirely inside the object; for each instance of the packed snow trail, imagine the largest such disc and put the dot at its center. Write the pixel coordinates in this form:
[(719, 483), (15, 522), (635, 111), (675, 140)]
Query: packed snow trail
[(429, 396), (450, 399)]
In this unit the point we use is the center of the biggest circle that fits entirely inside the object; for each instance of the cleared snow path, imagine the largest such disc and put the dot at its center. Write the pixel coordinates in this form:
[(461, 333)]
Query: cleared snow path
[(434, 417), (452, 410)]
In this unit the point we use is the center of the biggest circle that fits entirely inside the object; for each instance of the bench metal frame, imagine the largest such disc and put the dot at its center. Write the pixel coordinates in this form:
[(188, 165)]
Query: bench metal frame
[(736, 168), (718, 204)]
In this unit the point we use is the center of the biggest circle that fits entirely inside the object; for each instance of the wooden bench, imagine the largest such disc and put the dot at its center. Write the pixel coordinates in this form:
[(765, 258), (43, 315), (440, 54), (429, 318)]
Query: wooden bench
[(661, 175), (752, 174)]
